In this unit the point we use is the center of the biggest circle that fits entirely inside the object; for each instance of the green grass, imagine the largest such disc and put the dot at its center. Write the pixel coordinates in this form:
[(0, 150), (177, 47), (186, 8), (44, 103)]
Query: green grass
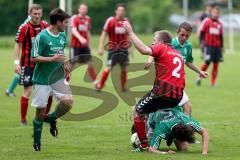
[(107, 137)]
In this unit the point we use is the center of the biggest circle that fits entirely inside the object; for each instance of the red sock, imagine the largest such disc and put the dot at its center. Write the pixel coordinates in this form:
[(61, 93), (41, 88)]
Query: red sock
[(103, 79), (24, 107), (214, 73), (140, 127), (123, 79), (92, 73), (48, 107), (204, 67)]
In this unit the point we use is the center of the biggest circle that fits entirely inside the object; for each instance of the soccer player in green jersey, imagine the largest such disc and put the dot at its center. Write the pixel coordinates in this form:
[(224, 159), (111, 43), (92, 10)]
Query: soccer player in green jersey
[(174, 124), (49, 75), (183, 45)]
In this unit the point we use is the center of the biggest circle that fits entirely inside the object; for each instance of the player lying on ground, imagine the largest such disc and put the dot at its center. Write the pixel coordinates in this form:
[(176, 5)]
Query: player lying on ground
[(174, 124)]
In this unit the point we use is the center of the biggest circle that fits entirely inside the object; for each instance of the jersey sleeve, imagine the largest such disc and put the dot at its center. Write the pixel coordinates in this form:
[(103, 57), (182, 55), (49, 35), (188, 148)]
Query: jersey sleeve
[(107, 26), (195, 124), (157, 50), (73, 21), (189, 57), (20, 36), (89, 24), (38, 45)]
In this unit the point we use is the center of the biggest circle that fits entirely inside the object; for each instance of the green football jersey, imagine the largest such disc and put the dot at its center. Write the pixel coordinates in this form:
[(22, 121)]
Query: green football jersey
[(47, 45), (185, 49), (164, 120)]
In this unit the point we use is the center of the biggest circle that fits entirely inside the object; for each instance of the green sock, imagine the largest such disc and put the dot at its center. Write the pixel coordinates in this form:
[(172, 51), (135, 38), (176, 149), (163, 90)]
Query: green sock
[(37, 130), (14, 83), (52, 117)]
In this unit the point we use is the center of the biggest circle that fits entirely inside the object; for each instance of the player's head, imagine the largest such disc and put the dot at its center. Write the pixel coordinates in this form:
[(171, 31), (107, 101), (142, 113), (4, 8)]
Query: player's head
[(35, 12), (59, 19), (215, 12), (120, 10), (184, 31), (162, 36), (208, 7), (83, 9), (183, 132)]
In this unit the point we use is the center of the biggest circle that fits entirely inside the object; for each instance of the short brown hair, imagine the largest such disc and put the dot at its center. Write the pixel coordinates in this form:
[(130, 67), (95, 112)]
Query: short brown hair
[(164, 36), (58, 15), (185, 26), (34, 6), (183, 132), (120, 5)]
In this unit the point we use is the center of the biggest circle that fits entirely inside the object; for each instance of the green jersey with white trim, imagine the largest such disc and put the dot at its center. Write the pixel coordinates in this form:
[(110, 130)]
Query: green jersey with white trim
[(47, 44), (164, 120), (185, 49)]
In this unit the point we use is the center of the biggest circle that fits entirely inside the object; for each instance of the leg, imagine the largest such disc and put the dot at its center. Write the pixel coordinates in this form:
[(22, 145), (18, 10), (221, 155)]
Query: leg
[(187, 108), (13, 85), (24, 104), (37, 128), (91, 71), (214, 74), (49, 104), (104, 77), (123, 77)]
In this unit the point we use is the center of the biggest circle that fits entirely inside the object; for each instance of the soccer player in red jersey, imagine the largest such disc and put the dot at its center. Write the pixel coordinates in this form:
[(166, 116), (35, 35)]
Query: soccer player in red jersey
[(80, 46), (169, 82), (118, 46), (24, 38), (211, 31)]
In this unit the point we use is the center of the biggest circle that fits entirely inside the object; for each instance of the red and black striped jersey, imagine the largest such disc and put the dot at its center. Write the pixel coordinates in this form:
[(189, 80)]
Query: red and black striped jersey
[(212, 32), (25, 36), (169, 68), (118, 37), (83, 25)]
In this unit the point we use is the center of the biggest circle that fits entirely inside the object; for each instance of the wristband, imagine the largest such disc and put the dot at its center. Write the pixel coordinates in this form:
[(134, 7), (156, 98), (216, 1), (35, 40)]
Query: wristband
[(16, 62)]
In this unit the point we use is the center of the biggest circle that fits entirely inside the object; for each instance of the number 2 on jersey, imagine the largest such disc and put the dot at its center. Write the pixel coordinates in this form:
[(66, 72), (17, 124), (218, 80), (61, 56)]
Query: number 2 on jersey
[(177, 61)]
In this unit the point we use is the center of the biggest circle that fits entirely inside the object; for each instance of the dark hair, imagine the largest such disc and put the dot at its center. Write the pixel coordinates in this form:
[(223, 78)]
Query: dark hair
[(216, 7), (183, 132), (185, 26), (164, 36), (120, 5), (58, 15), (34, 6)]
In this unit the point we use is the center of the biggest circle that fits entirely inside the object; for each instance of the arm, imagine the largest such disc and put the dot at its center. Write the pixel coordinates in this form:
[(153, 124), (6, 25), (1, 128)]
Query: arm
[(149, 63), (197, 70), (55, 58), (16, 57), (203, 132), (89, 39), (78, 36), (102, 41), (153, 150), (141, 47)]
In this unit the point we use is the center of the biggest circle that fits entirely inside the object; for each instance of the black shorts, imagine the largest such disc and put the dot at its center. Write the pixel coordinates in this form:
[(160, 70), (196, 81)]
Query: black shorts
[(26, 76), (80, 55), (118, 57), (151, 103), (213, 54)]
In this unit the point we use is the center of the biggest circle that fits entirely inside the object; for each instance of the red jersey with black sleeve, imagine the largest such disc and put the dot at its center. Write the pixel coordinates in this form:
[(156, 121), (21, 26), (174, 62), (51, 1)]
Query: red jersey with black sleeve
[(25, 36), (83, 25), (118, 38), (211, 32), (169, 71)]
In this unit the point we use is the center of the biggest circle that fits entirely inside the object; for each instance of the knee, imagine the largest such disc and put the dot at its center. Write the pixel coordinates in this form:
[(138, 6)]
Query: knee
[(40, 114), (67, 102)]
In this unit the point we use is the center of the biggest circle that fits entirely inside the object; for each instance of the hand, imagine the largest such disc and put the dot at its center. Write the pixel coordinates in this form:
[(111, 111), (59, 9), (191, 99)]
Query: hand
[(171, 152), (59, 58), (83, 41), (223, 50), (100, 51), (204, 153), (203, 74), (127, 26), (147, 65), (17, 69)]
